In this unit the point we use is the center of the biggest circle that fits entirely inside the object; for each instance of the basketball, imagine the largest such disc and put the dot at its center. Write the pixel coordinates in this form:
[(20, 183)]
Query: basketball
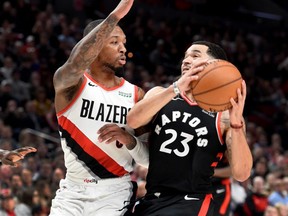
[(217, 83)]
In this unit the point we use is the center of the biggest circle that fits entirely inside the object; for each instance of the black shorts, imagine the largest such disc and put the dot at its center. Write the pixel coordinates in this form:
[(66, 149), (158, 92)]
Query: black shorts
[(222, 198), (175, 205)]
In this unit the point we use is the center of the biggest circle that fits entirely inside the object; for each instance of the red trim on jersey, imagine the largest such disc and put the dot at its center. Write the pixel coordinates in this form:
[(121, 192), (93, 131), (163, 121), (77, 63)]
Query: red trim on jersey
[(219, 155), (90, 148), (227, 197), (104, 87), (218, 127), (136, 97), (191, 103), (214, 164), (205, 205), (74, 99), (226, 181)]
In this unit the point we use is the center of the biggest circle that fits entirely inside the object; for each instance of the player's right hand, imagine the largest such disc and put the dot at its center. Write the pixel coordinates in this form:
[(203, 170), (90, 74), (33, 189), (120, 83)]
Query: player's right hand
[(122, 8), (190, 70)]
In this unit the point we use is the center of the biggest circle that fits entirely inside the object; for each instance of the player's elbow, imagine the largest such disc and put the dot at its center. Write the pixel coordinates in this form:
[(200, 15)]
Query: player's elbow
[(132, 121), (242, 174), (241, 177)]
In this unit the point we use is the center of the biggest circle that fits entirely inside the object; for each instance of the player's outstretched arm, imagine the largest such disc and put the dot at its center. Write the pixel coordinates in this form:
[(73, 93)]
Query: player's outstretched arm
[(156, 98), (12, 157), (87, 49)]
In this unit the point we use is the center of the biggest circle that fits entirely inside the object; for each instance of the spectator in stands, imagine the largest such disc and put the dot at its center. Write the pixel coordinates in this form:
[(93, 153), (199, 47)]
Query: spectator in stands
[(20, 89), (238, 196), (16, 183), (279, 195), (26, 176), (24, 202), (257, 199), (271, 211), (5, 94), (282, 209), (8, 203)]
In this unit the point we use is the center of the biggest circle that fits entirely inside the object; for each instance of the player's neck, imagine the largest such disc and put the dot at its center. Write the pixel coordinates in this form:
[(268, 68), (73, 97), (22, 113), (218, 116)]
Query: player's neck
[(106, 80)]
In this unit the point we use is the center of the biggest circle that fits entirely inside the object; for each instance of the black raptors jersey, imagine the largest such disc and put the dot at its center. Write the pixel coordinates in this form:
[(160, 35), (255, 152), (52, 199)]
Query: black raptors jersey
[(185, 146)]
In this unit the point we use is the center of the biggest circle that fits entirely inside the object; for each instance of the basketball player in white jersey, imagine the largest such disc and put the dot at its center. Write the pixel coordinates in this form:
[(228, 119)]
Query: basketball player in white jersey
[(91, 104)]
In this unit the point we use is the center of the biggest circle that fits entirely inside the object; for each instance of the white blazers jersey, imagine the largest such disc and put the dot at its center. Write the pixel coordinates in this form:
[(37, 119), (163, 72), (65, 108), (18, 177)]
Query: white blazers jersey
[(93, 107)]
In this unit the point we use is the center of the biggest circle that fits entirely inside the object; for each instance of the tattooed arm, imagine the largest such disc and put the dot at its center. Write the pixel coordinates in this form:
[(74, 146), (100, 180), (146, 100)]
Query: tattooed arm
[(69, 76)]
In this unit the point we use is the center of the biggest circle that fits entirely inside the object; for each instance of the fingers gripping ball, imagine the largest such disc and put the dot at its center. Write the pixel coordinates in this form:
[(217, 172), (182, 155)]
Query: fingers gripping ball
[(217, 83)]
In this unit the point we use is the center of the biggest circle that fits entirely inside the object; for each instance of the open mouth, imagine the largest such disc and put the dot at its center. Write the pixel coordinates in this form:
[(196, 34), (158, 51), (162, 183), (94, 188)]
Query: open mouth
[(186, 68), (122, 61)]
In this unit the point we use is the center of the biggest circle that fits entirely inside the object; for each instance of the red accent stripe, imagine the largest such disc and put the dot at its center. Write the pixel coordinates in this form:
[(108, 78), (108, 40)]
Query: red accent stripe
[(90, 148), (214, 164), (218, 127), (226, 201), (205, 205), (219, 155), (225, 181), (191, 103)]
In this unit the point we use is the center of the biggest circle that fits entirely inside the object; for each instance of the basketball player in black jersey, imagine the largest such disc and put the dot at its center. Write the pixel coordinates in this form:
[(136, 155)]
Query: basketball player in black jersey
[(186, 142)]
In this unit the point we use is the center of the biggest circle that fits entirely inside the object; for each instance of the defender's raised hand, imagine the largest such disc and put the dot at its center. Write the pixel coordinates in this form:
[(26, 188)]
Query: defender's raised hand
[(123, 8)]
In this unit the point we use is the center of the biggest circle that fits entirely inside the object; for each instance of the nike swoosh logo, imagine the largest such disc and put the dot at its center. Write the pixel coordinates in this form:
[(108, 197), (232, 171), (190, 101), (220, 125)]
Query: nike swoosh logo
[(90, 84), (220, 191), (190, 198), (177, 98)]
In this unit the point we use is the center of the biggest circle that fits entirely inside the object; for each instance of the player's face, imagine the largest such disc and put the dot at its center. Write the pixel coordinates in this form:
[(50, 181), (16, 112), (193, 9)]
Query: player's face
[(112, 55), (194, 54)]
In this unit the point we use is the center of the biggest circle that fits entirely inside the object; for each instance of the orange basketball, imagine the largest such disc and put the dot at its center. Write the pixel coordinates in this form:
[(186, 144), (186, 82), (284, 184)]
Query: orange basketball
[(217, 83)]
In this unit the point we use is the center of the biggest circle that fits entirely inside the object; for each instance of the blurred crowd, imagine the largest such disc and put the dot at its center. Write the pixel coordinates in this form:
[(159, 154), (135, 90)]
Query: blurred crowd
[(35, 40)]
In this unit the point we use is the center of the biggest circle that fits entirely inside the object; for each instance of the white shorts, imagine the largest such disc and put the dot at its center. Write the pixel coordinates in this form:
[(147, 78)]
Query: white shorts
[(102, 198)]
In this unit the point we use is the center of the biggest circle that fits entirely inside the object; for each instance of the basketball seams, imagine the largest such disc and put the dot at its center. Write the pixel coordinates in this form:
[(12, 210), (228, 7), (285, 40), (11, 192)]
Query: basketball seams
[(209, 71), (226, 106), (212, 91), (211, 104), (220, 86)]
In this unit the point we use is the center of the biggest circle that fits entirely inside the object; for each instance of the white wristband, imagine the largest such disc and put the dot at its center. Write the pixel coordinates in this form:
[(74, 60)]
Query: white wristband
[(175, 88), (140, 153)]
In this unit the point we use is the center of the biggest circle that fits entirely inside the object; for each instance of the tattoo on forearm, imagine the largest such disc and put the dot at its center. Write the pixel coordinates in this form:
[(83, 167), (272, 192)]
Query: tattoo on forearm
[(93, 43), (229, 151)]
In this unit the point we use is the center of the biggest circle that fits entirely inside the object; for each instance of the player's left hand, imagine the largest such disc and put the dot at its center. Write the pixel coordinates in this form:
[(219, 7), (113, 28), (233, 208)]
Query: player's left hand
[(12, 157), (122, 8), (237, 108), (112, 132)]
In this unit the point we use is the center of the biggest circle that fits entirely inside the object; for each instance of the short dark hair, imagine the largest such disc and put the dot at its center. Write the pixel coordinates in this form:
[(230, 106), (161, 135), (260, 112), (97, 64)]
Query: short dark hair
[(91, 26), (214, 50)]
